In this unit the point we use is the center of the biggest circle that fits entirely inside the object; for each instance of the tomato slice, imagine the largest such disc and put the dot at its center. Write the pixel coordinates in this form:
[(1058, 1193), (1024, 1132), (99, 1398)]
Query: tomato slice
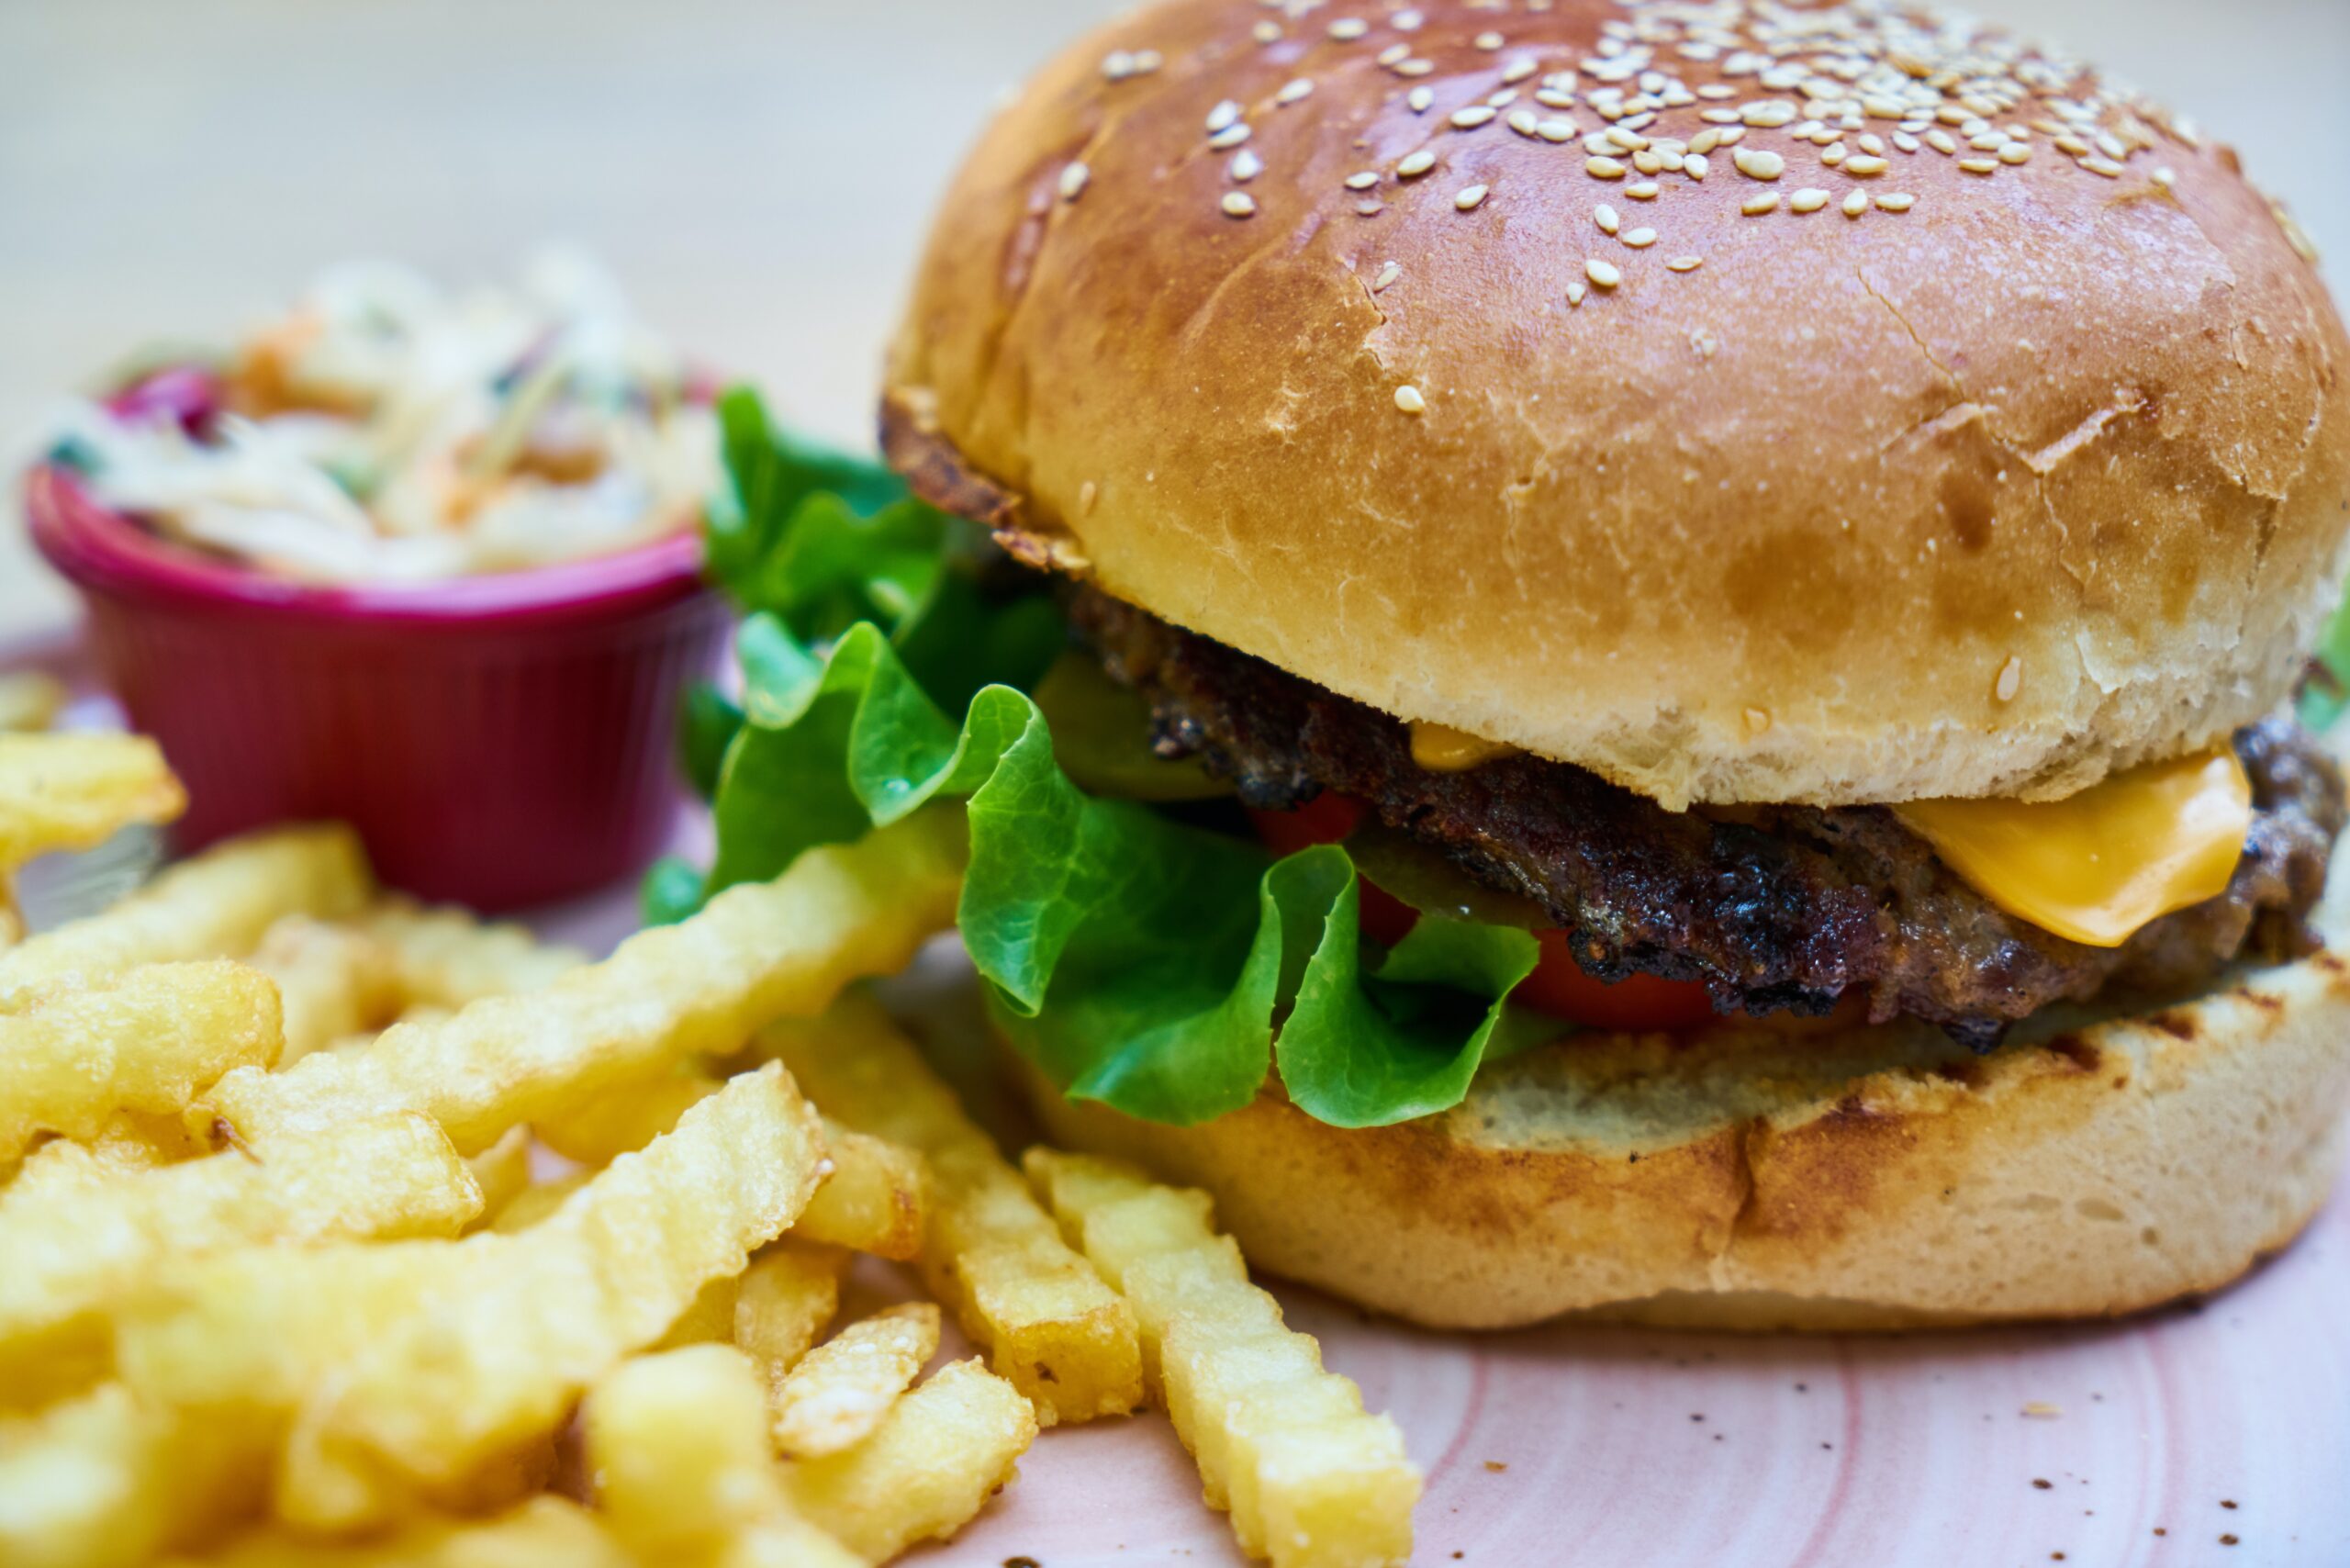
[(1558, 985)]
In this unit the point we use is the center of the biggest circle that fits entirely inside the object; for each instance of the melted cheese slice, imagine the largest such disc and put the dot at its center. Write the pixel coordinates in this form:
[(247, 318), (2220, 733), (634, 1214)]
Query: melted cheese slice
[(1440, 748), (2096, 866)]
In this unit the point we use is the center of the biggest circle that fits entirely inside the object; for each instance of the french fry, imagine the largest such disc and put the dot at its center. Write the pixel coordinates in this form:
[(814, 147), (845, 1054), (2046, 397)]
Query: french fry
[(101, 1480), (1067, 1340), (1311, 1479), (757, 951), (144, 1042), (73, 792), (678, 1445), (494, 1363), (624, 1117), (532, 1205), (541, 1531), (842, 1389), (708, 1319), (875, 1200), (73, 1247), (333, 981), (783, 1301), (445, 957), (214, 906), (502, 1172), (29, 700), (927, 1469)]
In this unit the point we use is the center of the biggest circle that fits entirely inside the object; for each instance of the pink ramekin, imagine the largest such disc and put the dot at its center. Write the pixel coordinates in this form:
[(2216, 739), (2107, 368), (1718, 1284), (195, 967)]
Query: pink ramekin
[(498, 741)]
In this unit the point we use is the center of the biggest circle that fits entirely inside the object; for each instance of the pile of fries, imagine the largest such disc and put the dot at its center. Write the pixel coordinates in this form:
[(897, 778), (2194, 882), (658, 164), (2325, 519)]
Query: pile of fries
[(335, 1230)]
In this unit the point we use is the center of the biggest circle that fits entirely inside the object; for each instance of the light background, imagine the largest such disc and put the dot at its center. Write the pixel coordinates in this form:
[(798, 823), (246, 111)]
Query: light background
[(757, 170)]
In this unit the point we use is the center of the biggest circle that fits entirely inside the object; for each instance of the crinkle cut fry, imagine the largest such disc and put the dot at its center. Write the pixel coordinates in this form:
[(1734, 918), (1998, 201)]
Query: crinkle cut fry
[(757, 951)]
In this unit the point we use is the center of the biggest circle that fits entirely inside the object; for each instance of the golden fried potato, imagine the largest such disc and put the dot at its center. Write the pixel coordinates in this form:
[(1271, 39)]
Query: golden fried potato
[(535, 1204), (677, 1443), (709, 1318), (927, 1469), (215, 906), (74, 792), (76, 1242), (334, 981), (496, 1362), (624, 1117), (783, 1301), (146, 1041), (842, 1389), (544, 1532), (874, 1199), (990, 1252), (29, 700), (502, 1172), (101, 1480), (446, 957), (1311, 1479), (757, 951)]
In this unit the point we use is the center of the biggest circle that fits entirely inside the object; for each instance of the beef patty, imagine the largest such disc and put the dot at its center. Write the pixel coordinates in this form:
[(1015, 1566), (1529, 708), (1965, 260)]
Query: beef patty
[(1772, 908)]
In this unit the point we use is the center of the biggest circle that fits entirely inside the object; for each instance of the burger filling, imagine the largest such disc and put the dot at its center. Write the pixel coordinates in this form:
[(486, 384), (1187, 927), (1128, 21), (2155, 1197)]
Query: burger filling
[(1768, 909)]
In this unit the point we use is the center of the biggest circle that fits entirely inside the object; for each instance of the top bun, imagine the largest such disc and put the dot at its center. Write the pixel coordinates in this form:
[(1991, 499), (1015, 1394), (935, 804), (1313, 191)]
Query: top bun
[(1966, 426)]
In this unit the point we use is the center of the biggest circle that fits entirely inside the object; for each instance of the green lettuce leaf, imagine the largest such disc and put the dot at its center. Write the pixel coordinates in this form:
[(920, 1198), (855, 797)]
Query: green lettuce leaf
[(2327, 693), (1159, 967)]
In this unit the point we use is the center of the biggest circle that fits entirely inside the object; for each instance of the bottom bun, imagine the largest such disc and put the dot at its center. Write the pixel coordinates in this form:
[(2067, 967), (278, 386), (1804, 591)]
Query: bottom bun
[(1838, 1179)]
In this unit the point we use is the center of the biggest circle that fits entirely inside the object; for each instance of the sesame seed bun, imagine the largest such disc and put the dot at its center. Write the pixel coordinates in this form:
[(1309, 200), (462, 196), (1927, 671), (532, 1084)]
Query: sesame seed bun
[(1867, 1177), (1997, 443)]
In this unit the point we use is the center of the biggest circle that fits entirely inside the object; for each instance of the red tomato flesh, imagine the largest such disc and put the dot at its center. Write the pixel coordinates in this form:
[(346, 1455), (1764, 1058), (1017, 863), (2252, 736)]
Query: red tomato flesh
[(1558, 985)]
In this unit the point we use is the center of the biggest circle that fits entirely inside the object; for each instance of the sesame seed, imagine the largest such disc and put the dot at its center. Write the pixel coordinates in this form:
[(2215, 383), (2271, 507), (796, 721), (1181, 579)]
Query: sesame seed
[(1362, 181), (1370, 208), (1387, 274), (2009, 681), (1602, 168), (1267, 32), (1604, 216), (1941, 142), (1469, 198), (1247, 166), (1575, 291), (1148, 60), (1519, 70), (1239, 203), (1896, 201), (1472, 118), (1904, 140), (1231, 136), (1522, 121), (2015, 153), (1601, 275), (1684, 263), (1117, 65), (1649, 162), (1758, 166), (1856, 204), (1809, 199), (1985, 165), (1862, 164), (2106, 166), (1640, 238), (1767, 113), (1490, 42), (1394, 54), (1832, 154), (1074, 179), (1346, 29), (1643, 190), (1408, 398), (1696, 165), (1756, 206), (1421, 99), (1414, 165), (1556, 130), (1406, 21), (1292, 92), (1730, 136), (1224, 116), (1416, 68), (2166, 176), (1873, 145), (2072, 144), (1552, 98)]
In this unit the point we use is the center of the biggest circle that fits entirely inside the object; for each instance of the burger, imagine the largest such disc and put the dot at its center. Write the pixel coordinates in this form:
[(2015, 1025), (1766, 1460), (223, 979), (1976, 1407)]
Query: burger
[(1641, 658)]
